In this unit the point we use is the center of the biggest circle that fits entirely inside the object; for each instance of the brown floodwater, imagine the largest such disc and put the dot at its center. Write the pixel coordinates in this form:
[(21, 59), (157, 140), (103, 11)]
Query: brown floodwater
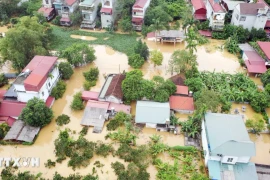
[(249, 114), (88, 38), (262, 148), (3, 29), (109, 50)]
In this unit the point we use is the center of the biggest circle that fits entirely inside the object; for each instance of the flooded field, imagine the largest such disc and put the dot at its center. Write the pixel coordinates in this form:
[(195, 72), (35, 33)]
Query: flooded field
[(88, 38), (248, 114)]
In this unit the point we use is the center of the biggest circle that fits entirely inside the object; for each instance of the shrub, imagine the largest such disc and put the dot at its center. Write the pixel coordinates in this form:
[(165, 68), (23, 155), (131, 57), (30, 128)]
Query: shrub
[(104, 149), (56, 20), (84, 131), (118, 120), (59, 90), (135, 61), (65, 70), (62, 119), (77, 103), (76, 18), (49, 163), (92, 74), (3, 80), (142, 49), (88, 84), (125, 24)]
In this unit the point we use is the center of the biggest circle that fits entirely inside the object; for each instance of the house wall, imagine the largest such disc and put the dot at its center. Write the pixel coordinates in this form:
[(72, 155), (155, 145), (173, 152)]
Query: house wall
[(244, 56), (205, 144), (139, 14), (47, 3), (107, 20), (26, 96), (113, 99), (91, 15), (183, 111)]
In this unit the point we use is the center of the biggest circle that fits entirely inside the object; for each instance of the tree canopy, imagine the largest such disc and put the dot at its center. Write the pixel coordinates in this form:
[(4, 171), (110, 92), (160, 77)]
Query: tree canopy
[(142, 49), (156, 57), (36, 113), (65, 70), (135, 61), (3, 80), (33, 39), (78, 54), (255, 125), (210, 99)]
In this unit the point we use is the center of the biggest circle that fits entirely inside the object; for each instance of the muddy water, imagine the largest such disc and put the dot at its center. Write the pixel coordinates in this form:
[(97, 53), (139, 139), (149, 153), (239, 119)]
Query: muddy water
[(256, 80), (88, 38), (262, 148), (249, 114), (3, 29), (109, 50)]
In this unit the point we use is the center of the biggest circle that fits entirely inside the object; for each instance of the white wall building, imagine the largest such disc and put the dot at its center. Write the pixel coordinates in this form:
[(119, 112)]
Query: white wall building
[(37, 79), (250, 15), (138, 13), (89, 10), (108, 13), (215, 14)]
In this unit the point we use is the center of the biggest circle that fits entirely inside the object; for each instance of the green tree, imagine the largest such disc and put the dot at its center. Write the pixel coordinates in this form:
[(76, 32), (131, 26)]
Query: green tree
[(36, 113), (265, 78), (157, 26), (157, 18), (255, 125), (4, 128), (92, 74), (77, 103), (192, 40), (194, 84), (132, 86), (156, 57), (3, 80), (181, 61), (65, 70), (142, 49), (59, 90), (76, 18), (135, 61), (125, 24), (231, 44), (78, 54), (162, 89), (33, 39), (210, 99), (119, 120), (260, 101), (62, 119)]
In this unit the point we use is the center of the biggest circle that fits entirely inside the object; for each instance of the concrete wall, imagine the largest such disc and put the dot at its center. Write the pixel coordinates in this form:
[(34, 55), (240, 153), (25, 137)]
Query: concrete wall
[(205, 144), (113, 99), (183, 111)]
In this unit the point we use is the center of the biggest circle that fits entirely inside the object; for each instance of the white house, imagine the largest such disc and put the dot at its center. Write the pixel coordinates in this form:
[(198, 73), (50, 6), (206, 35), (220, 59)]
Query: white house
[(89, 10), (112, 89), (37, 79), (250, 15), (215, 14), (227, 147), (47, 10), (138, 13), (229, 5), (108, 13), (64, 8)]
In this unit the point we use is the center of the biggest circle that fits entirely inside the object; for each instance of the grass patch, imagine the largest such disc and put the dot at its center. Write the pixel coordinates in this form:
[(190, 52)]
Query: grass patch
[(124, 43)]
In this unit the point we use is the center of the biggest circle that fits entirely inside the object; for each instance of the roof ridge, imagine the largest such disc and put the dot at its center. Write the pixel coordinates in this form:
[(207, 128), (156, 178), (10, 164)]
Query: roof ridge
[(119, 75)]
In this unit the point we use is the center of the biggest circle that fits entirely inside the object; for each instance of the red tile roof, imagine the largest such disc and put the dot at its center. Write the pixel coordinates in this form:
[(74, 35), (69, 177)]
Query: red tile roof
[(200, 16), (40, 67), (216, 6), (205, 33), (253, 56), (178, 79), (181, 103), (98, 104), (140, 3), (45, 11), (151, 35), (120, 107), (262, 1), (265, 46), (115, 87), (2, 92), (267, 24), (8, 120), (137, 20), (70, 2), (250, 8), (257, 67), (181, 90), (198, 4), (90, 95), (65, 19), (11, 108), (106, 10)]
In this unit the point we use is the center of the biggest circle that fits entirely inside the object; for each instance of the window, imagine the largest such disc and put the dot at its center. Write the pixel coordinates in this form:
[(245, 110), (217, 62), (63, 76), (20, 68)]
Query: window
[(242, 18), (42, 93), (47, 1), (49, 84), (134, 13), (229, 160)]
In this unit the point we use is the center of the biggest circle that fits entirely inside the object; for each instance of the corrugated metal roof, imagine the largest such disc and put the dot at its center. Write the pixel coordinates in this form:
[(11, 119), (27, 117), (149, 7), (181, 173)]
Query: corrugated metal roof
[(28, 133), (15, 130), (216, 6), (152, 112), (181, 103), (228, 135), (140, 3), (198, 4), (265, 46), (240, 171)]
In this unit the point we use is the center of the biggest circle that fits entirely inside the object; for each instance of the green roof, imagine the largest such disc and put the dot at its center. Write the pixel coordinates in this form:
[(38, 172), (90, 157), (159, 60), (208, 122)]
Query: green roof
[(240, 171), (227, 135), (152, 112)]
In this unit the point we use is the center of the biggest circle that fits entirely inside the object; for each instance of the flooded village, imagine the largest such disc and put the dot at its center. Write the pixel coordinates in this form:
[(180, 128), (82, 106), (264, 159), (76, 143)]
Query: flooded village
[(187, 117)]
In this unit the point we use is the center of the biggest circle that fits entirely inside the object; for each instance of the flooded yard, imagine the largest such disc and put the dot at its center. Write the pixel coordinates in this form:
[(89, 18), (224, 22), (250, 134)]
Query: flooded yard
[(262, 148), (3, 29), (88, 38)]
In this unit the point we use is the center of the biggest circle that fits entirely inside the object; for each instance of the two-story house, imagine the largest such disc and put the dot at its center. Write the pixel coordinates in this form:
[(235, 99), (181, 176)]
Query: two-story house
[(215, 14), (108, 13), (37, 79), (64, 8), (227, 147), (250, 15), (198, 10), (138, 13), (89, 10), (47, 10)]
